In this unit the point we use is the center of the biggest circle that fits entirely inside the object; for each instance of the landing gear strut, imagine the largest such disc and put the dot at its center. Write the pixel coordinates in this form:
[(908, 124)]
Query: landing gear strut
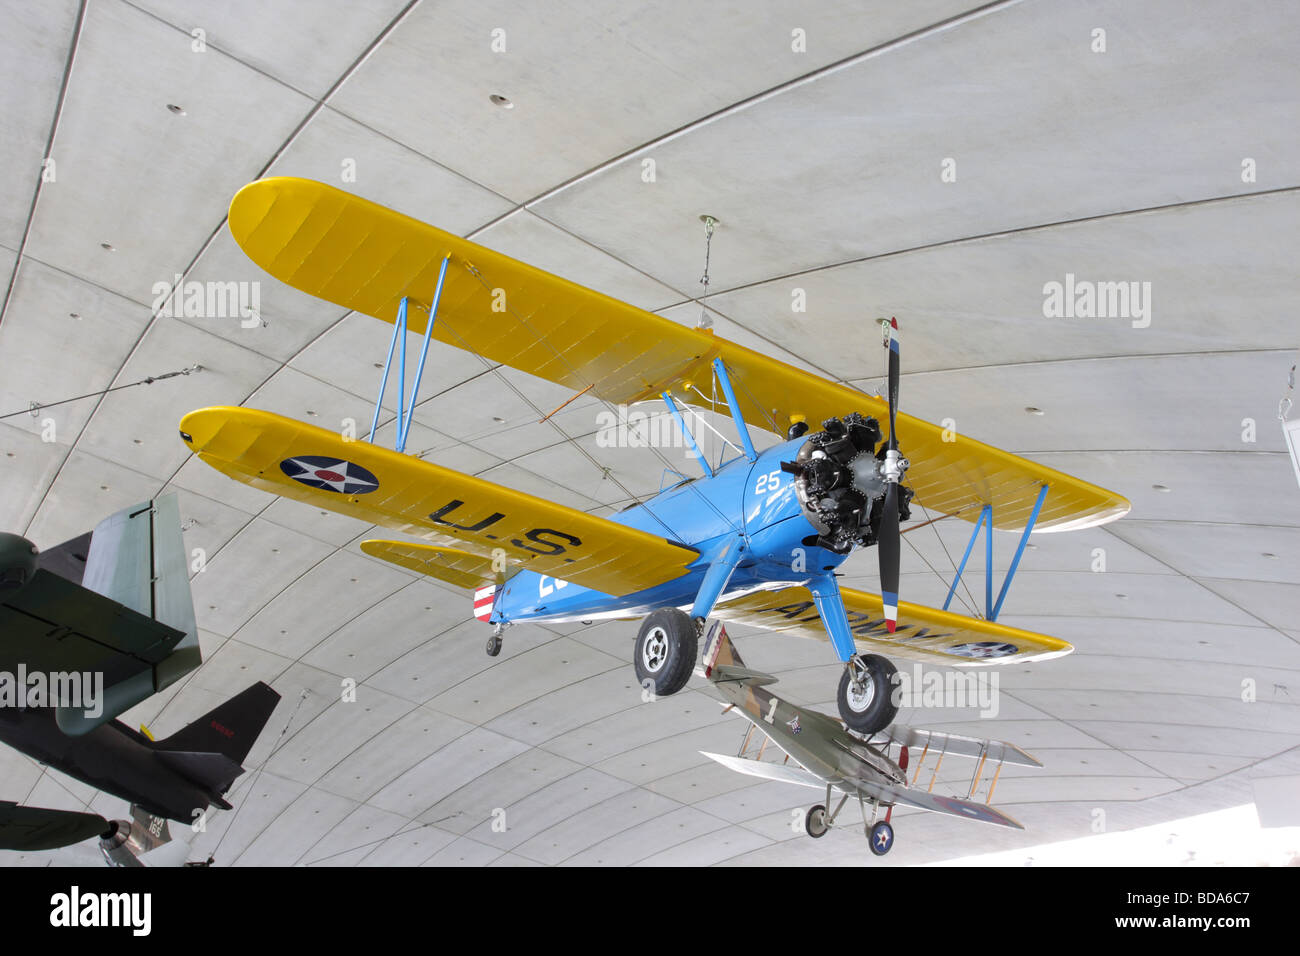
[(866, 693), (666, 648), (880, 834)]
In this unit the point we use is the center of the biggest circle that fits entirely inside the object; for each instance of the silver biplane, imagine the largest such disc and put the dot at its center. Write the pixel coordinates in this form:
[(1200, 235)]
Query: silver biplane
[(821, 753)]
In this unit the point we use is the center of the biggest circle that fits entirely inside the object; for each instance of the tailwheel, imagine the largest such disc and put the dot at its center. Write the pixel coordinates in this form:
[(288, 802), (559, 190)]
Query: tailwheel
[(494, 642), (866, 694), (882, 838), (666, 649), (814, 822)]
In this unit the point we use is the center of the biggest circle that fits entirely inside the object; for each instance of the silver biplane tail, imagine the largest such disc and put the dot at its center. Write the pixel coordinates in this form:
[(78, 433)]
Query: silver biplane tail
[(722, 662)]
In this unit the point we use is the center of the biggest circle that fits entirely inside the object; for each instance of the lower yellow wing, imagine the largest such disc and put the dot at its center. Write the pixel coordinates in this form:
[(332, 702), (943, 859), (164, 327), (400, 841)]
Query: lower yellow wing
[(924, 633), (461, 568), (442, 506)]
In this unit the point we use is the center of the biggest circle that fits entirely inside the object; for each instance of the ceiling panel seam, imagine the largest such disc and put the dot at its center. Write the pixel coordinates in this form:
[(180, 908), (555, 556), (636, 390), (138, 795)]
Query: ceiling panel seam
[(760, 97), (1111, 531), (1002, 233), (49, 148), (1085, 733), (316, 108)]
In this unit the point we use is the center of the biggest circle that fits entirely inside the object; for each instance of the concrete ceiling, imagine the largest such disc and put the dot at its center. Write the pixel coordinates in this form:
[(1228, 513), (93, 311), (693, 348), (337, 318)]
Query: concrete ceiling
[(824, 167)]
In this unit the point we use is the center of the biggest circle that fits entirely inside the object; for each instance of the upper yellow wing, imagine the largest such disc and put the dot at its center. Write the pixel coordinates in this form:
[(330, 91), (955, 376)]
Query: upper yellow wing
[(452, 510), (924, 633), (365, 257)]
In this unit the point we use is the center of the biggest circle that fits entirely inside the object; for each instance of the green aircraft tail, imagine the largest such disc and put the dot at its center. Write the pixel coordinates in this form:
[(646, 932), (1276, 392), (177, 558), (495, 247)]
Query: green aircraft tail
[(135, 558)]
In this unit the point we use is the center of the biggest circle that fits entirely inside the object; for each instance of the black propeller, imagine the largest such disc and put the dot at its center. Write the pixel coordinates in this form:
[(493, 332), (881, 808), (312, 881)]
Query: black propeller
[(888, 542)]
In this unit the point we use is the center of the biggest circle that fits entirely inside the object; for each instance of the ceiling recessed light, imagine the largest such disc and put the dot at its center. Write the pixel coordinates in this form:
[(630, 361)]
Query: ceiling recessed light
[(1161, 487), (107, 247), (177, 110), (74, 315), (501, 101), (1122, 596), (1268, 554), (496, 419), (1030, 409)]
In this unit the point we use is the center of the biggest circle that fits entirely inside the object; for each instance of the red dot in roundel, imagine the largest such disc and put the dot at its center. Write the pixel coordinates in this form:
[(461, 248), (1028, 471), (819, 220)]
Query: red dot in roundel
[(324, 475)]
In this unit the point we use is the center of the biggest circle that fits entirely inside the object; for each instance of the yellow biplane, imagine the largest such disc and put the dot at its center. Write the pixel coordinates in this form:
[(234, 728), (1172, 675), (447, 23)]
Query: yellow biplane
[(755, 540)]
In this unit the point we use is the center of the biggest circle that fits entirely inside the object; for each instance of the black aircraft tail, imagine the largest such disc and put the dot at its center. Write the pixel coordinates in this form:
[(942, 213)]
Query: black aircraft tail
[(211, 750)]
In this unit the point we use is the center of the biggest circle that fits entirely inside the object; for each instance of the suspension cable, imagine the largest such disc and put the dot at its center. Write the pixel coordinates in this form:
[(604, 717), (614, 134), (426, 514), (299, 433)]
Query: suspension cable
[(36, 407)]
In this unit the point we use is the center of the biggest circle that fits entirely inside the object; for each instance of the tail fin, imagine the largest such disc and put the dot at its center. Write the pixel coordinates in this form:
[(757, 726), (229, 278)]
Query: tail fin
[(135, 558), (722, 662), (230, 730), (484, 602), (719, 651)]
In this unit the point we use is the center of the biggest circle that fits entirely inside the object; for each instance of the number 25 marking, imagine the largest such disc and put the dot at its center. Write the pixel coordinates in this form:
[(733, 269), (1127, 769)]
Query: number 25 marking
[(769, 482)]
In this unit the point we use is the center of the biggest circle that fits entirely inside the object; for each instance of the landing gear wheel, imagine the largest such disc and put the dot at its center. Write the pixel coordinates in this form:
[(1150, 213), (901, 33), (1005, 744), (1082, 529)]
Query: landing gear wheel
[(882, 838), (666, 649), (494, 645), (814, 822), (869, 707)]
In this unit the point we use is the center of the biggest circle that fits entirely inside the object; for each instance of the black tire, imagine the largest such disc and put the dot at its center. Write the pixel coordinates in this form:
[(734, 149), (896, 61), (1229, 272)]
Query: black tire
[(814, 822), (493, 645), (875, 710), (882, 838), (666, 648)]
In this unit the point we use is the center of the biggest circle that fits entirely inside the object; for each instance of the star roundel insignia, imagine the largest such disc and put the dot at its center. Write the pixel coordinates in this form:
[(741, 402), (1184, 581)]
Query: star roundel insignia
[(955, 806), (330, 474), (884, 837)]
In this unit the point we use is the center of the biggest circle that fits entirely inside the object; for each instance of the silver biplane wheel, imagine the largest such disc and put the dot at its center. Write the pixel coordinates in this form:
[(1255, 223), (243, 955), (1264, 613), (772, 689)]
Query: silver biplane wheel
[(867, 705), (881, 838), (666, 648), (814, 822)]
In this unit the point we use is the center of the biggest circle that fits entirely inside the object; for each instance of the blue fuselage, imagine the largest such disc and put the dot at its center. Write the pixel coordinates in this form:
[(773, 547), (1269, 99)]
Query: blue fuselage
[(755, 501)]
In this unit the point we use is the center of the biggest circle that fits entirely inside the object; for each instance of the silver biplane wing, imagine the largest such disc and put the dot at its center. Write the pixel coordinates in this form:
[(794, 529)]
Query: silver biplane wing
[(998, 751), (783, 773)]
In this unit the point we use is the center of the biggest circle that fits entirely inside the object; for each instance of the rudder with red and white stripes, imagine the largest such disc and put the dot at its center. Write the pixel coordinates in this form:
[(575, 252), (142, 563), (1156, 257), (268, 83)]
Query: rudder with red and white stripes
[(484, 598)]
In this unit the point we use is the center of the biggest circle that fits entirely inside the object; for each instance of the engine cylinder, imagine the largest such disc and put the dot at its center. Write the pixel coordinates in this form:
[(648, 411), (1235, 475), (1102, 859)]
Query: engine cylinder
[(840, 484)]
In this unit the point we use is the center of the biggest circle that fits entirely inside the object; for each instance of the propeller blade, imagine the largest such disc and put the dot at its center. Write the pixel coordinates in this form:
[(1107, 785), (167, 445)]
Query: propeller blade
[(892, 345), (888, 542), (889, 545)]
